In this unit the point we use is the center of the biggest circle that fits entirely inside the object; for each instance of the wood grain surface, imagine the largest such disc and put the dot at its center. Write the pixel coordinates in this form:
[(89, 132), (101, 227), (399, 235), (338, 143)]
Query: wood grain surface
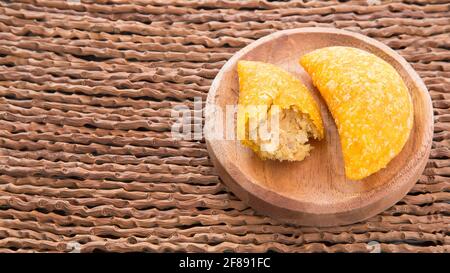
[(315, 191), (86, 155)]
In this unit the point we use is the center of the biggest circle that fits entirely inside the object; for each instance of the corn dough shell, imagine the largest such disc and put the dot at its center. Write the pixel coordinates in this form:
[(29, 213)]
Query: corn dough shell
[(369, 102), (266, 84)]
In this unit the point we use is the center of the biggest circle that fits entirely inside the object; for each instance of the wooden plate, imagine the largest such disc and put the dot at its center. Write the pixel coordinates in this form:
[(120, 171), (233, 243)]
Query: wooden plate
[(315, 192)]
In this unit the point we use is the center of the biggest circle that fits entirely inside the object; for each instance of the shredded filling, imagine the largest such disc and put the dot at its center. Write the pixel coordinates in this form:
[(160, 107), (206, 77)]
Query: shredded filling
[(294, 131)]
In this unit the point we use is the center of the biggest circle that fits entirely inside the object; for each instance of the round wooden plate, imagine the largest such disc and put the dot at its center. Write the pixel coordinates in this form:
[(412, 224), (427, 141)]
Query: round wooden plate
[(315, 191)]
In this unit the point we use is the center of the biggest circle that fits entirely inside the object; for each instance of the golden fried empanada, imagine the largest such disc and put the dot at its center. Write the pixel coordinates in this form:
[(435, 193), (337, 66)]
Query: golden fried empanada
[(370, 104), (263, 84)]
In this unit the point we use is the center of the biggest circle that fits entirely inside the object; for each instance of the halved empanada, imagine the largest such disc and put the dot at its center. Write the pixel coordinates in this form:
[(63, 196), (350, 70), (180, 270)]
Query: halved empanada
[(267, 91)]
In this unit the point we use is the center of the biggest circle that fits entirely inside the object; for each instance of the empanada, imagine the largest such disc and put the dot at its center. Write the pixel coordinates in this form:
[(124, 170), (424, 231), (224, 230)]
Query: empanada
[(370, 104), (266, 85)]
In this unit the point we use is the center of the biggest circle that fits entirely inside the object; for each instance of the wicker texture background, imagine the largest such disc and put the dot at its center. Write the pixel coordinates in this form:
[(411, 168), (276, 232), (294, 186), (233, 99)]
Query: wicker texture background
[(86, 157)]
